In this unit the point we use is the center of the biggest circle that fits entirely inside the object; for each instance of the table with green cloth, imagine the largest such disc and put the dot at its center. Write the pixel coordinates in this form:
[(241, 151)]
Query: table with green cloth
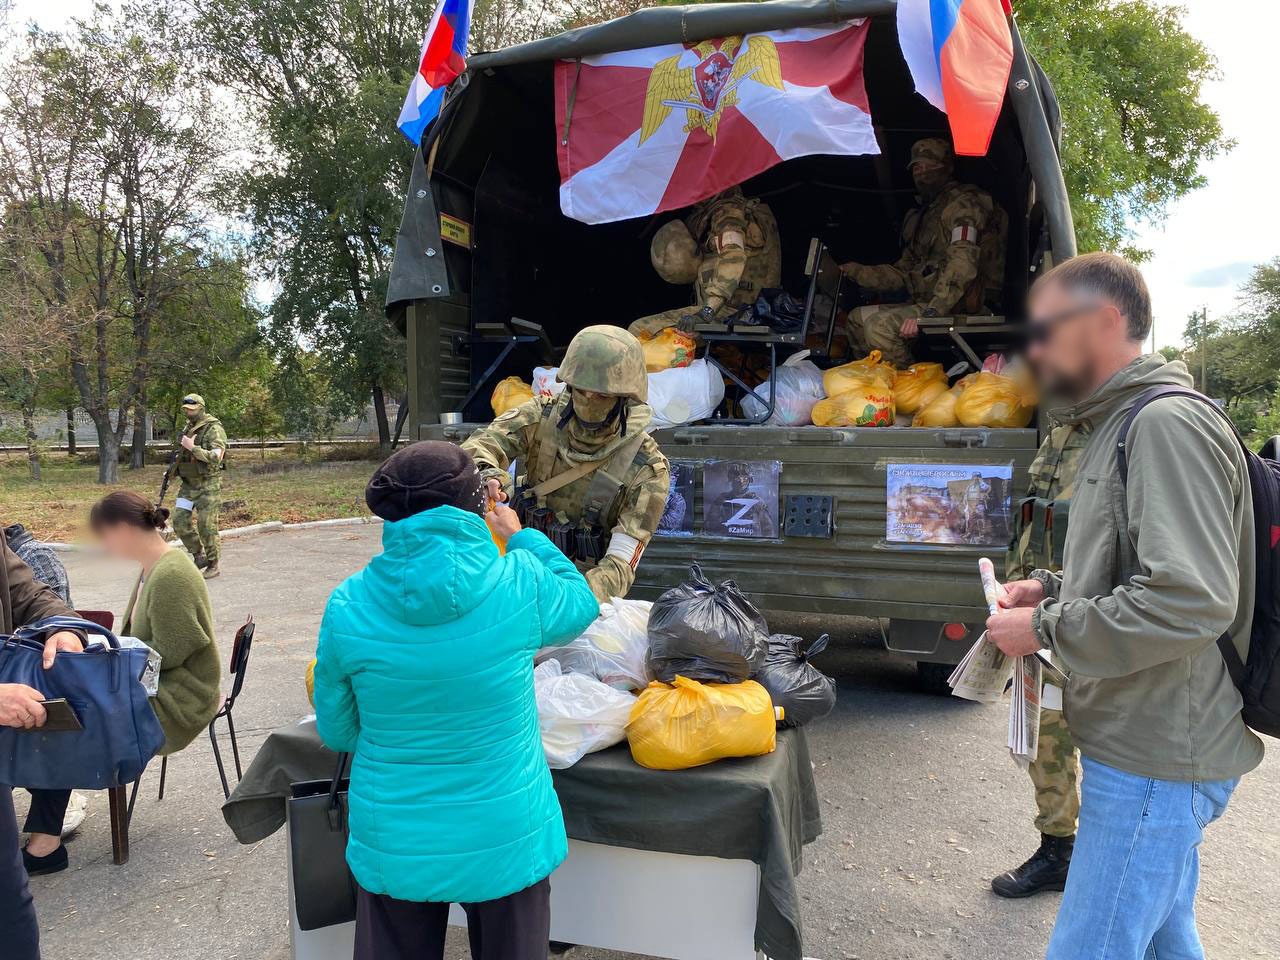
[(762, 809)]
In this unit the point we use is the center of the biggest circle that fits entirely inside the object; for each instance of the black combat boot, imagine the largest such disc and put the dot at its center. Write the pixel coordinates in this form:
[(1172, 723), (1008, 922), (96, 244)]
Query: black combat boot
[(200, 560), (1046, 870)]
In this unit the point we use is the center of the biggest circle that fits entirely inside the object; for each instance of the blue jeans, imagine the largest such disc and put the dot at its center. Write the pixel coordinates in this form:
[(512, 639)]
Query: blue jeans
[(1131, 890)]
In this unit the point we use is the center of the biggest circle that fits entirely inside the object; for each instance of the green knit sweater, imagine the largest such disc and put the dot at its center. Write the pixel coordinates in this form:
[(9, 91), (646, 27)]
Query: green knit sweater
[(172, 614)]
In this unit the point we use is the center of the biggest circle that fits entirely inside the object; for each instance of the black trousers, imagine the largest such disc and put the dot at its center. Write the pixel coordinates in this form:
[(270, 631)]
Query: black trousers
[(515, 927), (47, 811), (18, 930)]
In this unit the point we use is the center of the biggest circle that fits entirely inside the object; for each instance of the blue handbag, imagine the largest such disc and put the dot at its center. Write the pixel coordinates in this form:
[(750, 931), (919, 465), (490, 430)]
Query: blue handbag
[(121, 733)]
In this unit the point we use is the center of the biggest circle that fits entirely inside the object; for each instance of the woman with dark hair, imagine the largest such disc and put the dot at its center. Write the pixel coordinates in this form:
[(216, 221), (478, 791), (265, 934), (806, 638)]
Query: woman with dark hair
[(170, 612)]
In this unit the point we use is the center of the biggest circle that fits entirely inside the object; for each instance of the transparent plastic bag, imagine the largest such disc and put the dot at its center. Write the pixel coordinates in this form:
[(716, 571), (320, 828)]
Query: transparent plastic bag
[(859, 374), (685, 394), (803, 691), (688, 724), (918, 385), (996, 400), (612, 649), (705, 631), (577, 715), (545, 383), (799, 387)]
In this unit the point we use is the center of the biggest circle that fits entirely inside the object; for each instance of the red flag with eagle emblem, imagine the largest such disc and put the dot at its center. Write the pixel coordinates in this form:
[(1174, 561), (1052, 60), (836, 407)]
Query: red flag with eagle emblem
[(642, 131)]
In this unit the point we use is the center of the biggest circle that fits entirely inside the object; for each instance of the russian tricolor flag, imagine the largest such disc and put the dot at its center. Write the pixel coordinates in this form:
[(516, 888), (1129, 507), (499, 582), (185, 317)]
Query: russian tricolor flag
[(443, 58), (960, 53)]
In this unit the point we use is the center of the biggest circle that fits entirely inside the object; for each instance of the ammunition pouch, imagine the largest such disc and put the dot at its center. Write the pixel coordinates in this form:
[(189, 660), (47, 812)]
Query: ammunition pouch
[(524, 504), (592, 542), (1045, 523)]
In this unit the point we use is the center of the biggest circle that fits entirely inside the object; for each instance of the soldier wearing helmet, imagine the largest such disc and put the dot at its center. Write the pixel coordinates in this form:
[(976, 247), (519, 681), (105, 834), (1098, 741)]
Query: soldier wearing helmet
[(202, 456), (728, 248), (593, 480), (952, 258)]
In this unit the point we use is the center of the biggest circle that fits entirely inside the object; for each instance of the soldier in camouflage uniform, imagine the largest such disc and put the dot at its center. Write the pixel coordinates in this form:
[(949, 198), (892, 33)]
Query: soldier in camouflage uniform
[(199, 464), (728, 248), (1038, 542), (952, 259), (593, 480)]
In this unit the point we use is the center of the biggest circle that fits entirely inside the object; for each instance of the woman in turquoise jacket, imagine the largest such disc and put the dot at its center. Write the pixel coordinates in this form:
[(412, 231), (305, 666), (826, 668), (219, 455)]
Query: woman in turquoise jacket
[(424, 674)]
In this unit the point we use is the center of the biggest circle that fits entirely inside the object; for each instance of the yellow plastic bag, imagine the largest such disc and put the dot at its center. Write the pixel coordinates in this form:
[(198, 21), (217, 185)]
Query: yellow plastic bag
[(994, 400), (688, 724), (918, 385), (510, 393), (866, 406), (941, 410), (860, 373), (668, 348), (310, 681)]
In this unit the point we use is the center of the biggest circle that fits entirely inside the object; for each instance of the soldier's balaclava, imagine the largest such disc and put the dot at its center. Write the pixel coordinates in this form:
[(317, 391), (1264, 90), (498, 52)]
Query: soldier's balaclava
[(591, 422), (930, 177)]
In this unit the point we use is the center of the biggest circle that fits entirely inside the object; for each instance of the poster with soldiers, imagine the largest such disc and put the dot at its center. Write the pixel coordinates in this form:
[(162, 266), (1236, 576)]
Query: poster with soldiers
[(677, 518), (740, 498), (948, 503)]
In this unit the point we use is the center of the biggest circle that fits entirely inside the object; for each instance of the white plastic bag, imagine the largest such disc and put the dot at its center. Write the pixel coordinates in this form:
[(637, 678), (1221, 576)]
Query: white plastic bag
[(799, 387), (613, 649), (685, 394), (545, 383), (577, 715)]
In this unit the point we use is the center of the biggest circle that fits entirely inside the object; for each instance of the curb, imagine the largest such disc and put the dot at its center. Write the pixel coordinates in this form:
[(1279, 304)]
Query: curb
[(267, 526)]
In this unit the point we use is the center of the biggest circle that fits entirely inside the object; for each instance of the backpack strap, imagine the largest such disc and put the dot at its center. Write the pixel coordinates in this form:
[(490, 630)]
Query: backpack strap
[(1235, 666)]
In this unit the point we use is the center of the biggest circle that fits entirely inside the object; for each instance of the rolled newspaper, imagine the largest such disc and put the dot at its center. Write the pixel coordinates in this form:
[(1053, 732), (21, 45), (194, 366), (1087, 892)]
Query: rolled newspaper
[(992, 589)]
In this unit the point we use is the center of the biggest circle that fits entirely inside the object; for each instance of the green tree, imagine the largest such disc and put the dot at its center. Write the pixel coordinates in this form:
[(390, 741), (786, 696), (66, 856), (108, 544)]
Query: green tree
[(259, 418), (1135, 127), (323, 83)]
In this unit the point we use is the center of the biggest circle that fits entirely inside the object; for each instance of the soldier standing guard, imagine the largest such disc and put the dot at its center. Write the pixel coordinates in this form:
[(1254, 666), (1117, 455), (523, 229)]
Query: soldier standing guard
[(952, 258), (1038, 540), (199, 464), (728, 248), (594, 481)]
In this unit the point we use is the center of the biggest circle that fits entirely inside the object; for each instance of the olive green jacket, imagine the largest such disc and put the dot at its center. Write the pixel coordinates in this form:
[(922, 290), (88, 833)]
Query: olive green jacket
[(1153, 573), (171, 613)]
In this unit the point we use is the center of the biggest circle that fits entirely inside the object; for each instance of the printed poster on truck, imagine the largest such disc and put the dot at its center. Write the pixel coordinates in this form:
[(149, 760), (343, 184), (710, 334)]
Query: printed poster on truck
[(677, 518), (740, 498), (949, 503)]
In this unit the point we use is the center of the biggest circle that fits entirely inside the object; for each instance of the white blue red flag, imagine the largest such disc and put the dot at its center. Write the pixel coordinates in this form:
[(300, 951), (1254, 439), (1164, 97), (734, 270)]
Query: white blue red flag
[(960, 53), (443, 58), (642, 131)]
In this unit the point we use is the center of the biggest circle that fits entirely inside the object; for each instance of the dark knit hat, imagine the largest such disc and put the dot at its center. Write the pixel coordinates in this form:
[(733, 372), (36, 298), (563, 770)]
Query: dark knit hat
[(424, 475)]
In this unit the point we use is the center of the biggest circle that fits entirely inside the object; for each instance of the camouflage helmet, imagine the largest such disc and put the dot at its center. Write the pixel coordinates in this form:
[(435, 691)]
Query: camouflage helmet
[(674, 253), (606, 359), (932, 149)]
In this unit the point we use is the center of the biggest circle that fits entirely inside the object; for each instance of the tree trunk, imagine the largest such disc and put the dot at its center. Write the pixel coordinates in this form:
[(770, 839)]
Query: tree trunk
[(380, 413), (71, 431), (108, 455), (33, 448), (138, 452)]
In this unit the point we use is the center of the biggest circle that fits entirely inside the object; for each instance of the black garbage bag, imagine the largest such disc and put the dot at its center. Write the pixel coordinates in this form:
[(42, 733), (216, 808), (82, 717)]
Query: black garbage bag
[(706, 632), (803, 691), (778, 310)]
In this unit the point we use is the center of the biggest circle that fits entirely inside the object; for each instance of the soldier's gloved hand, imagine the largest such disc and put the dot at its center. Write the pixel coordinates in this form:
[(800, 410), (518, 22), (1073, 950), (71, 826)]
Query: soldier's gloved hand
[(705, 315), (188, 442)]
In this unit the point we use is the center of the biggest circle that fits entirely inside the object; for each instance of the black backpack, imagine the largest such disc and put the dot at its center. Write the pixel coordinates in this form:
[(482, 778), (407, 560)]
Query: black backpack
[(1258, 680)]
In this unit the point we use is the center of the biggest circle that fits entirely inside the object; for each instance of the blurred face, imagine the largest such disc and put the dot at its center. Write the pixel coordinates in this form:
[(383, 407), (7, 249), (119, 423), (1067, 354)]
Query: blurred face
[(1069, 335), (930, 177), (122, 540)]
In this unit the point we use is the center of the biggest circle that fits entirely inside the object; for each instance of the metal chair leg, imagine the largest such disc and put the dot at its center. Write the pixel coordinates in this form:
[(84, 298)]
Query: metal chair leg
[(133, 795), (119, 825), (217, 758), (164, 768), (235, 747)]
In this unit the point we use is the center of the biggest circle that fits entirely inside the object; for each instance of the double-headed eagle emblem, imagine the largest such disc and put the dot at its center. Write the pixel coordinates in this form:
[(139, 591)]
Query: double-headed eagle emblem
[(710, 85)]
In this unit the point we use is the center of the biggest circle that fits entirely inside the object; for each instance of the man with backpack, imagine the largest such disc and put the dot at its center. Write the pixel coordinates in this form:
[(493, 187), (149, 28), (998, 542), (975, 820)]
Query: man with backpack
[(1159, 567)]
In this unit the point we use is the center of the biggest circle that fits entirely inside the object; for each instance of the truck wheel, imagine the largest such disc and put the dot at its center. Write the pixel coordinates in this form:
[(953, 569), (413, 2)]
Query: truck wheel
[(933, 677)]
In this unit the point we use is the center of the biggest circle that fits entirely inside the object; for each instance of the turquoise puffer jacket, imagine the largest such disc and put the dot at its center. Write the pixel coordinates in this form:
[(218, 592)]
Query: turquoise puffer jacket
[(425, 673)]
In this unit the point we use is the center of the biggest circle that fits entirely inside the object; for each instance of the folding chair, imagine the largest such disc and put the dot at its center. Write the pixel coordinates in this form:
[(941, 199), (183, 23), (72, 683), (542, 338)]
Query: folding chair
[(825, 280), (240, 648)]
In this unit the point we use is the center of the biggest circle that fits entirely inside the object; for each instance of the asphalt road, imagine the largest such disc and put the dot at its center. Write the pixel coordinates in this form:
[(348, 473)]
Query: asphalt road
[(920, 802)]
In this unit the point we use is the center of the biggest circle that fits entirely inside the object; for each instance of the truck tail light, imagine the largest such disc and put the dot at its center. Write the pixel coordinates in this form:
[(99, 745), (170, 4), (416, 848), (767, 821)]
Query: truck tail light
[(955, 631)]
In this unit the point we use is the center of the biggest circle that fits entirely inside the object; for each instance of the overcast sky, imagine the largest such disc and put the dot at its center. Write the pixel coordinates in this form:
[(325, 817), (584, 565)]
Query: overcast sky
[(1213, 237)]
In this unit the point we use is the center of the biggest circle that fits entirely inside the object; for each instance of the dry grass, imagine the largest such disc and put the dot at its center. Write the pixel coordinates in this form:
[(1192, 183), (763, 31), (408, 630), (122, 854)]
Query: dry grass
[(281, 488)]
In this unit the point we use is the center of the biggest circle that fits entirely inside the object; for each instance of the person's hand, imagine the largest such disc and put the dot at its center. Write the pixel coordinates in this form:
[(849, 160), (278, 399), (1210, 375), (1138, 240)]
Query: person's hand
[(687, 322), (64, 641), (493, 490), (503, 522), (188, 443), (21, 706), (1022, 593), (1011, 631), (910, 327)]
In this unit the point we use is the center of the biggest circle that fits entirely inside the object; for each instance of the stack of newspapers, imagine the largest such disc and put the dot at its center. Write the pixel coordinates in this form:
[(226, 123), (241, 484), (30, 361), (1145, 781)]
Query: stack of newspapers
[(985, 673)]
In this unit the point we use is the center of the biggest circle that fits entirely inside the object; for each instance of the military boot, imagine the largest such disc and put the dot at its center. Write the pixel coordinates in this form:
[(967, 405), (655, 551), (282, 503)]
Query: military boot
[(211, 570), (1046, 870), (200, 560)]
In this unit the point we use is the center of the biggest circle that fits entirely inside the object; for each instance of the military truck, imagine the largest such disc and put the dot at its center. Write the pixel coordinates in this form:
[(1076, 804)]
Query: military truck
[(483, 241)]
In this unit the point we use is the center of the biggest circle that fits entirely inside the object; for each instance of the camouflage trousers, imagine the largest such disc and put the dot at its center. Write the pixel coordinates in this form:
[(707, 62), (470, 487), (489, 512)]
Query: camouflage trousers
[(201, 534), (1055, 772), (878, 327)]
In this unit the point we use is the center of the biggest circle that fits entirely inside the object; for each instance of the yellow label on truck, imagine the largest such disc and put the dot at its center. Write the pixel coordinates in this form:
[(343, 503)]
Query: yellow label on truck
[(455, 230)]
